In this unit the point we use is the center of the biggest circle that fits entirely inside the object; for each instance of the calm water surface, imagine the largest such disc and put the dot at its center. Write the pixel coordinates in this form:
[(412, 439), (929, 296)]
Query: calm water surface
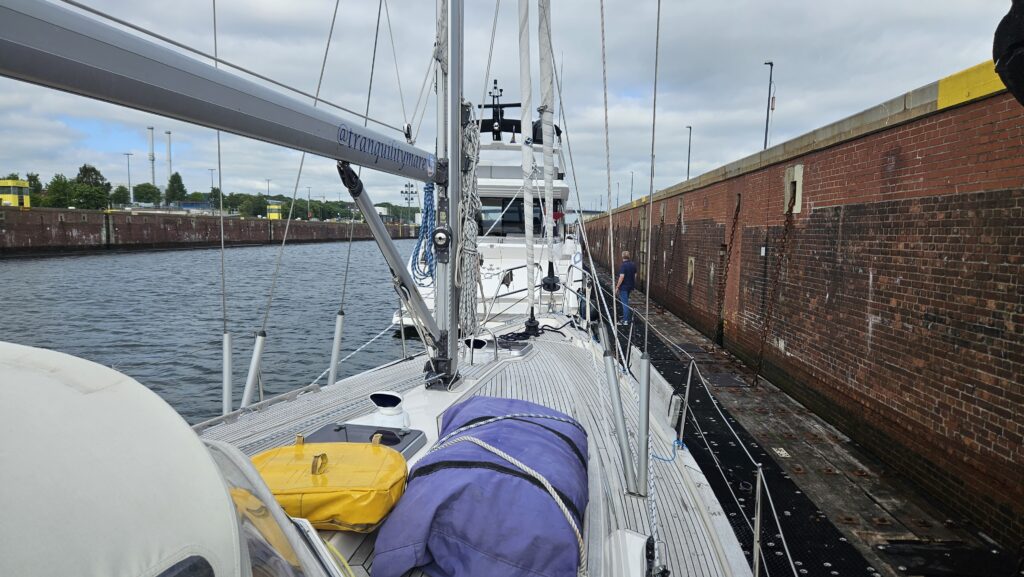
[(156, 316)]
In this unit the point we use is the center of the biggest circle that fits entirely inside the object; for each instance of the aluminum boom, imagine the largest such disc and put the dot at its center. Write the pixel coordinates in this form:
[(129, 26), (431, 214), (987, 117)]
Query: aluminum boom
[(52, 46)]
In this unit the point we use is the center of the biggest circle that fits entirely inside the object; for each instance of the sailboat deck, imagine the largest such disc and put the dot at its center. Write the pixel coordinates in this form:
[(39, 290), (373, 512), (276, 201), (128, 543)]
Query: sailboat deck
[(563, 373)]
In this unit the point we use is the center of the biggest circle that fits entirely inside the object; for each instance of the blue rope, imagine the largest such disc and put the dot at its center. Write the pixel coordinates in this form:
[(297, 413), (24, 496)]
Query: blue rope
[(676, 445), (423, 267)]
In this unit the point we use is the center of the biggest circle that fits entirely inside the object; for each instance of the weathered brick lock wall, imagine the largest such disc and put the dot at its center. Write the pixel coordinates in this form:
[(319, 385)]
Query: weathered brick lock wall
[(900, 308), (50, 230)]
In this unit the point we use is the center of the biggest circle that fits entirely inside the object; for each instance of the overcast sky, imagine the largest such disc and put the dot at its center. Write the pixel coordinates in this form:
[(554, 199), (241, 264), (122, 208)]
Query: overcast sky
[(832, 59)]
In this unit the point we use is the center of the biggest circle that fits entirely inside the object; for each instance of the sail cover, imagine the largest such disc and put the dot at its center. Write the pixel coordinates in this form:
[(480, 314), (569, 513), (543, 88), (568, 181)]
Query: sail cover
[(468, 512)]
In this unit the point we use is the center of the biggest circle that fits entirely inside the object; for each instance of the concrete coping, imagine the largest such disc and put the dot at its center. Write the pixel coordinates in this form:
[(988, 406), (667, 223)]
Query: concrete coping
[(972, 84)]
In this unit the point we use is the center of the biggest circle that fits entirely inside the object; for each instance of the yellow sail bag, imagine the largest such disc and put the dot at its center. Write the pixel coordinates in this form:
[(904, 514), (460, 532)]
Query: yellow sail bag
[(336, 486)]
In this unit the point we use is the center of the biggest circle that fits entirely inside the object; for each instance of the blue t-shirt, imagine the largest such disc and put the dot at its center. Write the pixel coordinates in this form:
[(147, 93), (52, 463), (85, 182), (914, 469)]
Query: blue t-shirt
[(628, 272)]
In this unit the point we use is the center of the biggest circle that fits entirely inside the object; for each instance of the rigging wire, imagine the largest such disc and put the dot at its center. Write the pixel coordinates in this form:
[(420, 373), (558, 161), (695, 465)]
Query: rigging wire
[(423, 97), (650, 195), (298, 177), (220, 185), (583, 229), (209, 56), (369, 92), (467, 256), (608, 172), (652, 504), (394, 54)]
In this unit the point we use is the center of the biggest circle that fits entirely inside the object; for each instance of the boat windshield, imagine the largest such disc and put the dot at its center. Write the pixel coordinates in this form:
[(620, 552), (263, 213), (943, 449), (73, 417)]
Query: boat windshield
[(265, 536), (505, 217)]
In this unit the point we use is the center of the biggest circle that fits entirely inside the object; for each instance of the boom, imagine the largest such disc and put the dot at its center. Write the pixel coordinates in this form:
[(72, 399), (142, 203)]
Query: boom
[(52, 46)]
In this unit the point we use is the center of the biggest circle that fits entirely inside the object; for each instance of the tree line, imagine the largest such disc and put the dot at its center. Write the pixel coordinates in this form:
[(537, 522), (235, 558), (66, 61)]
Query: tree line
[(91, 190)]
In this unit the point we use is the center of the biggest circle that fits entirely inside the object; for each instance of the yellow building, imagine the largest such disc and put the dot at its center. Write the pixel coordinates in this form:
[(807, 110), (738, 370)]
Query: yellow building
[(14, 193), (274, 209)]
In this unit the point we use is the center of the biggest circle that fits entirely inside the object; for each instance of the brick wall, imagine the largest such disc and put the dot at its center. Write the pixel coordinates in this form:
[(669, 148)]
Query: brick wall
[(42, 230), (900, 315)]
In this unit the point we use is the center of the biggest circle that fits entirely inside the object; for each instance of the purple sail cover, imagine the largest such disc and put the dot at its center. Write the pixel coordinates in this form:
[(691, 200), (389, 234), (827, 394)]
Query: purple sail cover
[(465, 514)]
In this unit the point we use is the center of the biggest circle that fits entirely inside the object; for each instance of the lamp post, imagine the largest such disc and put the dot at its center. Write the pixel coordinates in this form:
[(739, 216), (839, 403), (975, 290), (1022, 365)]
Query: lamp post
[(268, 187), (170, 167), (131, 195), (689, 143), (409, 192), (768, 107)]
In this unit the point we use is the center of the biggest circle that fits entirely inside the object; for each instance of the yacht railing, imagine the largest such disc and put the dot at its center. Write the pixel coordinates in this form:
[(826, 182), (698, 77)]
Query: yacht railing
[(760, 483)]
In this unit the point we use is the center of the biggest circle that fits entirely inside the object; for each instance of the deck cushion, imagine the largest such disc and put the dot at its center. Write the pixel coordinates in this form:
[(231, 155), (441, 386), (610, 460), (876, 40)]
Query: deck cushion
[(467, 511)]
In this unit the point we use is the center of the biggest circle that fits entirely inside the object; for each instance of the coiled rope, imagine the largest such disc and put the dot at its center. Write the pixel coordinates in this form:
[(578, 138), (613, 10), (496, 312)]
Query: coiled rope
[(423, 253), (468, 272)]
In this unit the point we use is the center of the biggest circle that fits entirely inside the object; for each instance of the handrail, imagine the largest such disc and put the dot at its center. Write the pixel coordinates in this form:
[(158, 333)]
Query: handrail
[(502, 273), (739, 442)]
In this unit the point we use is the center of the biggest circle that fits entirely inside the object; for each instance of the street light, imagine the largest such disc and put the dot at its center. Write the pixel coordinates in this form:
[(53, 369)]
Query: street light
[(170, 166), (131, 195), (768, 108), (409, 192), (268, 188), (689, 142)]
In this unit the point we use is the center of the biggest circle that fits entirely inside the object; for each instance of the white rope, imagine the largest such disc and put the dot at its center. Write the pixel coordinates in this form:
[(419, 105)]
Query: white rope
[(367, 343), (547, 486), (465, 428), (468, 271)]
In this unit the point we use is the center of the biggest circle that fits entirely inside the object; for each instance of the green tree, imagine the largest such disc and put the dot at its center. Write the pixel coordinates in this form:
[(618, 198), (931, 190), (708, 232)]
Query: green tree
[(12, 176), (147, 192), (34, 185), (35, 189), (58, 192), (176, 191), (197, 196), (88, 196), (214, 197), (253, 206), (90, 175), (120, 195)]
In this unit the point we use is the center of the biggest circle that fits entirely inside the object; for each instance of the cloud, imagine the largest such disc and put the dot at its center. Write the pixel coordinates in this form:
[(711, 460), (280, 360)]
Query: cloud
[(832, 59)]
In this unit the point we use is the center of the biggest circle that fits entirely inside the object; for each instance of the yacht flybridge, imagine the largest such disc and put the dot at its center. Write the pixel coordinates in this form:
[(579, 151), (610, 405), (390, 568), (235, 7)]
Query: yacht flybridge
[(521, 442), (509, 175)]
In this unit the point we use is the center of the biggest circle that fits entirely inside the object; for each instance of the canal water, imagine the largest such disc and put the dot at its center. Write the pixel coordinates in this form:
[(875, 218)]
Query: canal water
[(156, 316)]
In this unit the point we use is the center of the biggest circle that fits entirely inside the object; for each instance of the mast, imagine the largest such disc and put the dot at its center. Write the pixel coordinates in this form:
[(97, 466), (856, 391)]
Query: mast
[(449, 148), (547, 99), (526, 142)]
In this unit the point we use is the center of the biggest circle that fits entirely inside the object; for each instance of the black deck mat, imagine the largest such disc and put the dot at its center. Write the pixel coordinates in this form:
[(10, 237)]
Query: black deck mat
[(815, 544)]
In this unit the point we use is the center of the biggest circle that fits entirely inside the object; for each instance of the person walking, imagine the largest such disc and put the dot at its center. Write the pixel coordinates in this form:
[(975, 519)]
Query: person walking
[(624, 285)]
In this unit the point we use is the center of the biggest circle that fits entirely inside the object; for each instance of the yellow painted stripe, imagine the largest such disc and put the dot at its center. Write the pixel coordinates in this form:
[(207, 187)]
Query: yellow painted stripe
[(971, 84)]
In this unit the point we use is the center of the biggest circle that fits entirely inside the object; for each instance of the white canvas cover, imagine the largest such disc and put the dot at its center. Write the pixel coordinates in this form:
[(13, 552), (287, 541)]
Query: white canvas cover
[(99, 476)]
